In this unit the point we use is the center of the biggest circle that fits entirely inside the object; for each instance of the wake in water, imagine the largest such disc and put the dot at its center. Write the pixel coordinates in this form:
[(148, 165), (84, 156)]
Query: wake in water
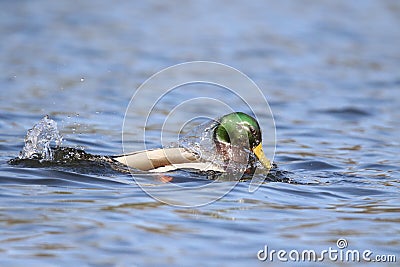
[(43, 148), (43, 144)]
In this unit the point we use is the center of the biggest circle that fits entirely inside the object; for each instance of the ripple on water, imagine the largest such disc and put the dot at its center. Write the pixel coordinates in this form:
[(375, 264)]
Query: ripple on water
[(311, 165), (347, 113)]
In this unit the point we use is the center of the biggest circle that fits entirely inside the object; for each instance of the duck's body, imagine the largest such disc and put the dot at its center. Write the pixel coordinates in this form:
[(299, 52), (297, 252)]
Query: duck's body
[(233, 132), (148, 160), (166, 159)]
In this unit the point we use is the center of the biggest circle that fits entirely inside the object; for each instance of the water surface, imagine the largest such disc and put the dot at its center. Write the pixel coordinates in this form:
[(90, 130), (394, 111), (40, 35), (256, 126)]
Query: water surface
[(330, 73)]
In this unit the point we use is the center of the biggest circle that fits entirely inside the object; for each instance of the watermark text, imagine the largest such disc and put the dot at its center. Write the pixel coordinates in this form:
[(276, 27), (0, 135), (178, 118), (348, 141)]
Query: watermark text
[(338, 254)]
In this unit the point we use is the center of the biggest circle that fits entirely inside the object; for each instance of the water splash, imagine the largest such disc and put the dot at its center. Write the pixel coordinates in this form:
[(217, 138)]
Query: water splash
[(39, 138), (200, 141), (43, 149)]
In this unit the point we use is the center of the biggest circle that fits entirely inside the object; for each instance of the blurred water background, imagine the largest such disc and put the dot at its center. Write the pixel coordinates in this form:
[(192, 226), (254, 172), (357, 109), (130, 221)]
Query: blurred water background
[(329, 69)]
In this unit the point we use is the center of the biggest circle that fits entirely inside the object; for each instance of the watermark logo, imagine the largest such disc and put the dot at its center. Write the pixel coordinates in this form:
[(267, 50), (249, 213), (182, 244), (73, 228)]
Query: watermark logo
[(338, 254), (175, 100), (341, 243)]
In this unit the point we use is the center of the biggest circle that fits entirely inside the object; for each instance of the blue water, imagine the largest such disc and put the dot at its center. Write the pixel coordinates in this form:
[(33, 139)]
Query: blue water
[(330, 72)]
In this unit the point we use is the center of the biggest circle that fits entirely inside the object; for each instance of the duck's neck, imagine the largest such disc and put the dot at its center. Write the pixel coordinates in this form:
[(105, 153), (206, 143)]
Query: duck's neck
[(223, 150), (231, 155)]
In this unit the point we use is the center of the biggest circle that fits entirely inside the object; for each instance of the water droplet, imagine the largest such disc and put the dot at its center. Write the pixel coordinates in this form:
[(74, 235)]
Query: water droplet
[(82, 79)]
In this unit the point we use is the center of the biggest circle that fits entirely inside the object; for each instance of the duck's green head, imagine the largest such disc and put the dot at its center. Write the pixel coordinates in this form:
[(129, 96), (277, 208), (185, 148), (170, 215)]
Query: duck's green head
[(241, 129)]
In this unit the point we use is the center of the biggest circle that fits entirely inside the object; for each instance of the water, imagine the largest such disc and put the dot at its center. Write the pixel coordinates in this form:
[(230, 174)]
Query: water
[(329, 71)]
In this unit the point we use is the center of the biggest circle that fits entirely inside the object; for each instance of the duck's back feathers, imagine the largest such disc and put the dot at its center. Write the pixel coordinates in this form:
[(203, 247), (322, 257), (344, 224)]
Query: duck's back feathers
[(160, 160)]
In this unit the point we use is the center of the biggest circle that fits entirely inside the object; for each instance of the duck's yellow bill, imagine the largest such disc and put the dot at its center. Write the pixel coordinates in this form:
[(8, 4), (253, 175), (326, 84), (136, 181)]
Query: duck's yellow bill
[(258, 151)]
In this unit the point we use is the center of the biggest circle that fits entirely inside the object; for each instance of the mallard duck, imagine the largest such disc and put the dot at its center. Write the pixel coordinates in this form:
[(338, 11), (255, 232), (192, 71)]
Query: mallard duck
[(236, 137)]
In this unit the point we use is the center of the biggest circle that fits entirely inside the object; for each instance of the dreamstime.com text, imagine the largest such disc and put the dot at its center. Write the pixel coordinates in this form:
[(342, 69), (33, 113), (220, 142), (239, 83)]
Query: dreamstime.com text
[(339, 254)]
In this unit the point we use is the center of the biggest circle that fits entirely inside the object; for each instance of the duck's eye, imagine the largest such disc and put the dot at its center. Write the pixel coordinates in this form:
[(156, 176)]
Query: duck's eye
[(252, 130)]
